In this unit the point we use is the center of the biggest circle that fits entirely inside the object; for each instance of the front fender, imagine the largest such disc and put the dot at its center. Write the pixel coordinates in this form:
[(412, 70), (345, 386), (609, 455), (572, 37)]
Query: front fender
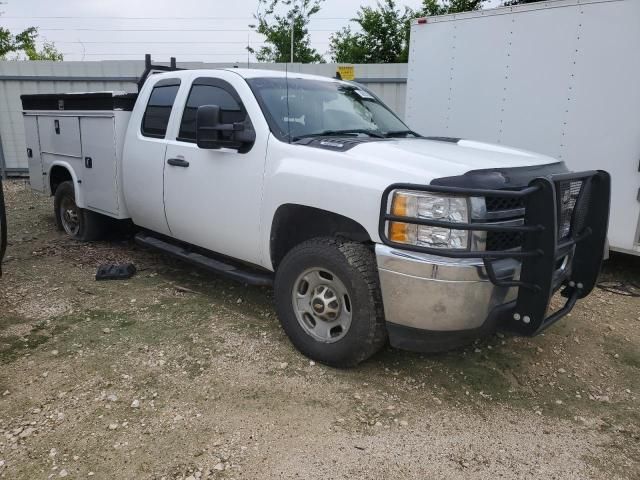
[(337, 189)]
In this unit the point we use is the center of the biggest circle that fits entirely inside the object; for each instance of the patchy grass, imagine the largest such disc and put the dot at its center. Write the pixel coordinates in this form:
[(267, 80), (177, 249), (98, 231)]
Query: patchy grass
[(13, 346)]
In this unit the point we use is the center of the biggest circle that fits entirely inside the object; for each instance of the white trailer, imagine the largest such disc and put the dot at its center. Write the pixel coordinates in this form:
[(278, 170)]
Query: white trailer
[(558, 77)]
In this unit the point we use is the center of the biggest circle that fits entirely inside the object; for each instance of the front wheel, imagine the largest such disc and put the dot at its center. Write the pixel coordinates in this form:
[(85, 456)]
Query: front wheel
[(329, 303), (78, 223)]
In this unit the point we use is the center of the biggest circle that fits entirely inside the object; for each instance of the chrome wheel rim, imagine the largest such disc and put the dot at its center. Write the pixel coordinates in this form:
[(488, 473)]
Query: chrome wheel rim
[(322, 305), (69, 215)]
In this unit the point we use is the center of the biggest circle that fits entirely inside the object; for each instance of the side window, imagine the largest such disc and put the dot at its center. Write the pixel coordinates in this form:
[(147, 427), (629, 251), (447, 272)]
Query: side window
[(156, 116), (231, 110)]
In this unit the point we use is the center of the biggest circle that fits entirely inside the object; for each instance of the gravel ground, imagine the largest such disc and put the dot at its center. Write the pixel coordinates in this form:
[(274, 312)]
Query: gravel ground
[(178, 374)]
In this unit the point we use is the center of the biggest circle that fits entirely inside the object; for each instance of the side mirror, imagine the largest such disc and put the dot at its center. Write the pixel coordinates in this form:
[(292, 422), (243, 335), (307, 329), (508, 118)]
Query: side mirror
[(212, 134), (207, 122)]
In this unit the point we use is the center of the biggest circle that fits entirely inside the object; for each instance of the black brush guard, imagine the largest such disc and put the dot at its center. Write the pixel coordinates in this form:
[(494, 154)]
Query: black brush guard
[(542, 250)]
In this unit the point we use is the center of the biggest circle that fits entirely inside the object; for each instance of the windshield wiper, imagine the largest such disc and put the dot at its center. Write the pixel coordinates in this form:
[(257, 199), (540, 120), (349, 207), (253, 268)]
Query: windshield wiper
[(333, 133), (400, 133)]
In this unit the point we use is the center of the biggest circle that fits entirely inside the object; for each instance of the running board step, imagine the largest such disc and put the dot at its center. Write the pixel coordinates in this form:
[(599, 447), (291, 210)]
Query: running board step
[(227, 270)]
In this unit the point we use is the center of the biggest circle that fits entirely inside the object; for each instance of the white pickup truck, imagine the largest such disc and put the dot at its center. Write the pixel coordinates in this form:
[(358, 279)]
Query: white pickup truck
[(367, 230)]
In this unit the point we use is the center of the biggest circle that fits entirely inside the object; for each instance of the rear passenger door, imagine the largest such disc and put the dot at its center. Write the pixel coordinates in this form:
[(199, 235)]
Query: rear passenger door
[(212, 197), (143, 166)]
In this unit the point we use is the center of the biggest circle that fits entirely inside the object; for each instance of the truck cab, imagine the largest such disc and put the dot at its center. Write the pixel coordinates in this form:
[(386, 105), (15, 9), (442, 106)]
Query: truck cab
[(367, 230)]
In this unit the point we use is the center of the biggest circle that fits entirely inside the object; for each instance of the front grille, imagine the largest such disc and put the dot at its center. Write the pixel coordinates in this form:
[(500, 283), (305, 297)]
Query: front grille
[(497, 241), (501, 209), (496, 204), (581, 209), (571, 215), (568, 193)]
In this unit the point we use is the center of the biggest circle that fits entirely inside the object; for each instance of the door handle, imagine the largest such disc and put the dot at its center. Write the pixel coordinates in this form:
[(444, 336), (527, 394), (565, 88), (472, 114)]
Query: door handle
[(178, 162), (88, 162)]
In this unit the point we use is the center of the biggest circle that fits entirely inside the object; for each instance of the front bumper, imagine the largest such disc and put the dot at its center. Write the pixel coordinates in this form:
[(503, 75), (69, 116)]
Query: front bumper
[(435, 303), (436, 299), (436, 293)]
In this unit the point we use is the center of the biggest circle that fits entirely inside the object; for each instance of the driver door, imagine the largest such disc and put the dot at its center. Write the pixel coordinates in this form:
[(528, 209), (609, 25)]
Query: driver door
[(212, 197)]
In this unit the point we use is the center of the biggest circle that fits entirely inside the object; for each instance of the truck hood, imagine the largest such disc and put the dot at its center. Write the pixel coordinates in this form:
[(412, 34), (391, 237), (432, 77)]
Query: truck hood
[(429, 159)]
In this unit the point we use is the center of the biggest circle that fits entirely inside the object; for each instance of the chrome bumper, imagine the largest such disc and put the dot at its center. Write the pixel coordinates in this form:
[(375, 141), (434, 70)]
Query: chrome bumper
[(429, 292)]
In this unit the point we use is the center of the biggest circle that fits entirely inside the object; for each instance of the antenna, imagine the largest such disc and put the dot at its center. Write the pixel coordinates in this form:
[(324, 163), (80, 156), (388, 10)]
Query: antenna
[(286, 81)]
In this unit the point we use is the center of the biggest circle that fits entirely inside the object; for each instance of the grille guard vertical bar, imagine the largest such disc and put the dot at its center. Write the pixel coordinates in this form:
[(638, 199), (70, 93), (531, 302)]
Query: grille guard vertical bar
[(540, 208), (588, 244)]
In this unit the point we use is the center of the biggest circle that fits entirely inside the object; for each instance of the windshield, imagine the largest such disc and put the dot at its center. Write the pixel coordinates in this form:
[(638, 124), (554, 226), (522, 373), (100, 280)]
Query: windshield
[(306, 108)]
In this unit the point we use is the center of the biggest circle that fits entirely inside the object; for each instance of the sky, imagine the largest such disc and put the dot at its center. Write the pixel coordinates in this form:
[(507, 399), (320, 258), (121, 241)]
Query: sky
[(190, 30)]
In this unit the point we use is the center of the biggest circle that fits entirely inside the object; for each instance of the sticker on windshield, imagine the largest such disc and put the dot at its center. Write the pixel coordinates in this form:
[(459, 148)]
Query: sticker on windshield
[(364, 94)]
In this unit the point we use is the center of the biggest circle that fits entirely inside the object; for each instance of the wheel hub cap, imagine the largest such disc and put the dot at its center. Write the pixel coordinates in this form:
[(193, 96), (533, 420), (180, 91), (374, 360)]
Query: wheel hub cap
[(69, 216), (325, 303), (322, 305)]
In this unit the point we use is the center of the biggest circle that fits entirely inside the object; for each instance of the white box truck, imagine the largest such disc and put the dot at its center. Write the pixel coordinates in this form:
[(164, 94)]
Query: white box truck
[(367, 230), (559, 77)]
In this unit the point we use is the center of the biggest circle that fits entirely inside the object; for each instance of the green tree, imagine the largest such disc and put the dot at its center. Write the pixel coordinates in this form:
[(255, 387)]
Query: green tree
[(382, 36), (443, 7), (23, 45), (275, 25)]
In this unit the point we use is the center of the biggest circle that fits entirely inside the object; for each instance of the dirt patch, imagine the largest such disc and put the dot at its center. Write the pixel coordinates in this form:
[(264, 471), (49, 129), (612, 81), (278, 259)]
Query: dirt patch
[(176, 373)]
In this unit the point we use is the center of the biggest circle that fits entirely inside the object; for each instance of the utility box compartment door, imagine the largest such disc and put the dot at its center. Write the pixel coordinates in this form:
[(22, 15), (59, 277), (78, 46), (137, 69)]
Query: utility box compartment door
[(60, 135), (34, 158), (99, 160)]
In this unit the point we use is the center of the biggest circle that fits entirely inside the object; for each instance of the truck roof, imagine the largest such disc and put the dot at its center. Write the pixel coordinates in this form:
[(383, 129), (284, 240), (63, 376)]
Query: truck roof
[(260, 73), (247, 73)]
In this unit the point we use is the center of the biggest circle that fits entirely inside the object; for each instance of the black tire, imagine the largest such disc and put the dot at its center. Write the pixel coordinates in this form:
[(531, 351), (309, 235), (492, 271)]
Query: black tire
[(90, 225), (355, 266)]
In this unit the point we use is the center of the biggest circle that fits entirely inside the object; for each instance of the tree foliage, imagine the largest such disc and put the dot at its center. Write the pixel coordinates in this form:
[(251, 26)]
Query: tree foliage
[(274, 22), (382, 36), (443, 7), (23, 45)]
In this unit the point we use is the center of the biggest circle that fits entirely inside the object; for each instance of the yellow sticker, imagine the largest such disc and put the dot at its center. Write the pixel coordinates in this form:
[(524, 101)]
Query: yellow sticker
[(347, 72)]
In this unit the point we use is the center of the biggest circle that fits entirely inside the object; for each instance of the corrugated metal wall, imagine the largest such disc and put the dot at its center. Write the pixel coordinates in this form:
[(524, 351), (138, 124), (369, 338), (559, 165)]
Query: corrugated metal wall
[(18, 78)]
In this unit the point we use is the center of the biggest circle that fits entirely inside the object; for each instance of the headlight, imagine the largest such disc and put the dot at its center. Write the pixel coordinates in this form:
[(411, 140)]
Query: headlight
[(410, 204)]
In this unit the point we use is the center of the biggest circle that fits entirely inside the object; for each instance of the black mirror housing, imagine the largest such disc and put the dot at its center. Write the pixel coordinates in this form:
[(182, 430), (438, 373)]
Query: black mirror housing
[(207, 121), (211, 134)]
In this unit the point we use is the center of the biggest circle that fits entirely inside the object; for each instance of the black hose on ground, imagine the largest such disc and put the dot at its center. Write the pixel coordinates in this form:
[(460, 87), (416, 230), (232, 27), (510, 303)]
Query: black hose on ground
[(626, 289)]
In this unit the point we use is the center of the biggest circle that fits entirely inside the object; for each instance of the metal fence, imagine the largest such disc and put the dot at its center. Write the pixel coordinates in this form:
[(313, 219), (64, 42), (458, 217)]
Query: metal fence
[(18, 78)]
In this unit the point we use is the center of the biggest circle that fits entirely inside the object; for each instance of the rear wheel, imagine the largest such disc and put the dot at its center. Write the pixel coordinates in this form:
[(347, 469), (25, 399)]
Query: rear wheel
[(78, 223), (329, 303)]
